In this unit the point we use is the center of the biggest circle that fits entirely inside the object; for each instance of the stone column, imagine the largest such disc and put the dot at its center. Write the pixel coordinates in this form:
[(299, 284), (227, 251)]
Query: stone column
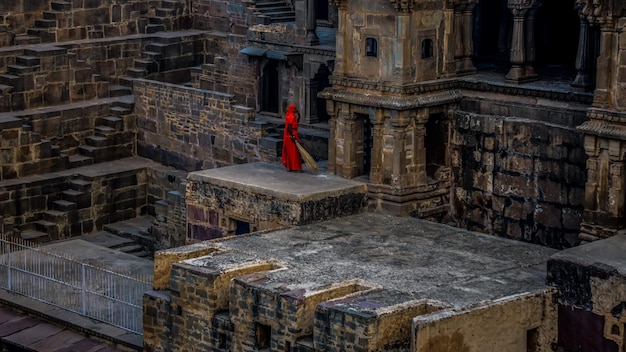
[(605, 73), (332, 143), (349, 167), (583, 80), (376, 176), (402, 48), (420, 154), (398, 171), (340, 38), (464, 48), (522, 42), (311, 23), (467, 66)]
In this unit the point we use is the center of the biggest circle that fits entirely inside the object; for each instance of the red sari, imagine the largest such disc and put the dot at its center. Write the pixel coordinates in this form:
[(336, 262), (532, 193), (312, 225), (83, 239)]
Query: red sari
[(291, 157)]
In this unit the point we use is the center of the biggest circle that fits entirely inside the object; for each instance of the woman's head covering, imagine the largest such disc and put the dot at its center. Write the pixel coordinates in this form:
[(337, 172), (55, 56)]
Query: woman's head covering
[(291, 108)]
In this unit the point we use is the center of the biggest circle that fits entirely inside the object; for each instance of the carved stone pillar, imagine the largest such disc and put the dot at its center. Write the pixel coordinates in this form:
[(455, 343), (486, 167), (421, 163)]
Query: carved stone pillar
[(340, 37), (522, 42), (605, 189), (311, 23), (376, 175), (420, 155), (605, 73), (349, 167), (332, 144), (398, 172), (583, 80), (466, 65)]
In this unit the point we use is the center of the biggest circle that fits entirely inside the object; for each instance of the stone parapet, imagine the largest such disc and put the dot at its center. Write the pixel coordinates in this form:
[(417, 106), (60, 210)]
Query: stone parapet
[(261, 196)]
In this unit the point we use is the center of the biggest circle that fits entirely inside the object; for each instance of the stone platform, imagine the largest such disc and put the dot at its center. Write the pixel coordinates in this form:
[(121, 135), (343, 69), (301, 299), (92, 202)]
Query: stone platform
[(258, 196), (367, 282)]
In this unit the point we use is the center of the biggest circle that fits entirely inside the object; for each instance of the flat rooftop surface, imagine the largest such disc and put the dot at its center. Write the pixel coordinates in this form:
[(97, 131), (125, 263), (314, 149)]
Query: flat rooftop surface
[(420, 258), (272, 179), (609, 252)]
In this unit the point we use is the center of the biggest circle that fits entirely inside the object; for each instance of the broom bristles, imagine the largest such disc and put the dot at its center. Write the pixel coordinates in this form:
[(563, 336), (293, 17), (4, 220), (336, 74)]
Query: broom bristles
[(308, 159)]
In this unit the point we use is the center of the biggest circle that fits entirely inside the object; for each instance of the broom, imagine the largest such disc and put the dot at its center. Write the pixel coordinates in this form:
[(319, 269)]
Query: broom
[(308, 159)]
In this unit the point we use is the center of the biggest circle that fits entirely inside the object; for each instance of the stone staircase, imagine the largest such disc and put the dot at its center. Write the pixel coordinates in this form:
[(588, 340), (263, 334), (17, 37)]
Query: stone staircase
[(274, 11), (63, 217), (112, 138)]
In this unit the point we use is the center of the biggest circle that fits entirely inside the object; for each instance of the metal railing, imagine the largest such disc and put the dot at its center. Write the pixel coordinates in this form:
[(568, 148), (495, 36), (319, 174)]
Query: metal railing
[(83, 288)]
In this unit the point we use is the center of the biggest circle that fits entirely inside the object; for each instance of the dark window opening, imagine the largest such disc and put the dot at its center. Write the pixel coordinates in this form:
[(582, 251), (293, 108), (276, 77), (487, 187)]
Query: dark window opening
[(263, 336), (321, 10), (241, 227), (436, 142), (371, 47), (427, 49), (532, 340), (323, 82), (615, 330), (270, 89)]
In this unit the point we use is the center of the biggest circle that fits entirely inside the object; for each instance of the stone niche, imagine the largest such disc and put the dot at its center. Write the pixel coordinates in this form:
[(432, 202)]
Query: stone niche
[(258, 196)]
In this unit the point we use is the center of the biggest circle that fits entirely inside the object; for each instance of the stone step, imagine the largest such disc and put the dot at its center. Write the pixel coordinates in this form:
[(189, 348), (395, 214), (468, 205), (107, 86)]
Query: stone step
[(126, 81), (165, 12), (119, 91), (46, 35), (97, 141), (154, 28), (81, 199), (55, 216), (26, 40), (77, 160), (51, 228), (152, 55), (120, 111), (34, 236), (136, 72), (53, 15), (114, 122), (63, 205), (45, 23), (26, 60), (147, 65), (104, 130), (101, 154), (10, 80), (61, 6), (45, 50), (80, 185), (5, 89), (20, 69)]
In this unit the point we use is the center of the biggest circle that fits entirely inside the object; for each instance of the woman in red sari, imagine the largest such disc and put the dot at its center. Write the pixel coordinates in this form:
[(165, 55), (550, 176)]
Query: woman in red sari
[(291, 156)]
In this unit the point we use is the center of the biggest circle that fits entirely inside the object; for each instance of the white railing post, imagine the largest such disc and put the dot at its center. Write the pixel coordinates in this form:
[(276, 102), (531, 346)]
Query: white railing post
[(84, 290)]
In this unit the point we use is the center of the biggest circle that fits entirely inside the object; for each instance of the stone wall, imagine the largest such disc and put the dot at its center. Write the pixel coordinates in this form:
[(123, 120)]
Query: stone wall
[(519, 177), (220, 15), (166, 202), (69, 203), (193, 129), (43, 21), (592, 295), (518, 324)]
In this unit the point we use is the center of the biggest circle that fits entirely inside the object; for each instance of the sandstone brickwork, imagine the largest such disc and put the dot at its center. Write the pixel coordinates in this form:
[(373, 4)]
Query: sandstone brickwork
[(519, 177), (351, 288)]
